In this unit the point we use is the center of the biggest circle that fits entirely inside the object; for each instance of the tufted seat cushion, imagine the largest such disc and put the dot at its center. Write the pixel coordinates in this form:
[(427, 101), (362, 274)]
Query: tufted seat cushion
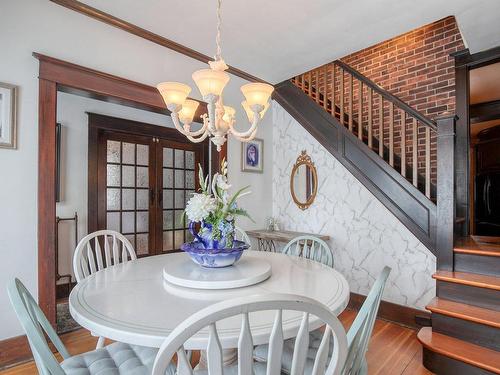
[(115, 359), (315, 337)]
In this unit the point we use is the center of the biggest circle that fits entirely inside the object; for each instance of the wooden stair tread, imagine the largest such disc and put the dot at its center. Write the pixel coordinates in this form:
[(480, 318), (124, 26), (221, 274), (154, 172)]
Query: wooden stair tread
[(459, 350), (466, 312), (478, 246), (471, 279)]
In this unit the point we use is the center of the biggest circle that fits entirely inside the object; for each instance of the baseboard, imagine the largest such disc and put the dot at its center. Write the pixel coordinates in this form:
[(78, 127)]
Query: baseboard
[(14, 351), (404, 315)]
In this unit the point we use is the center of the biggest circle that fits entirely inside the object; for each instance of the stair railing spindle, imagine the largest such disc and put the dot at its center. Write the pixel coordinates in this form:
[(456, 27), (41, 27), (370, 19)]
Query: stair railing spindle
[(381, 128), (342, 96), (333, 91), (415, 153), (325, 86), (317, 87), (403, 143), (370, 117), (360, 114), (391, 134), (428, 162), (350, 100)]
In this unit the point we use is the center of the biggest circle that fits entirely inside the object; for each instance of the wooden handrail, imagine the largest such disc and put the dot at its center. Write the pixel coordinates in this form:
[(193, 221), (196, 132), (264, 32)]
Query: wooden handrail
[(388, 96)]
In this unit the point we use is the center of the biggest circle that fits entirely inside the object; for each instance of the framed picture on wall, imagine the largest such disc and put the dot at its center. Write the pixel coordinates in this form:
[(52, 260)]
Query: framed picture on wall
[(252, 156), (8, 103)]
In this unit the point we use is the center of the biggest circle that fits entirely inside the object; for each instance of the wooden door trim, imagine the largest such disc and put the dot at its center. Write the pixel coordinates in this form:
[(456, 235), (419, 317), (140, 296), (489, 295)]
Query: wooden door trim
[(99, 126), (57, 75)]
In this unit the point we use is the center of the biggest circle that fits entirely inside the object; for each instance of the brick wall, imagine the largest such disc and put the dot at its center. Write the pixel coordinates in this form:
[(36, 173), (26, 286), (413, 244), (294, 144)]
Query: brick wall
[(417, 68)]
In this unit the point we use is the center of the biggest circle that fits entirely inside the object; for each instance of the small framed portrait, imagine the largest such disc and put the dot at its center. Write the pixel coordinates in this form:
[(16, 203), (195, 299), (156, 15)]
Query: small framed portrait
[(8, 103), (252, 156)]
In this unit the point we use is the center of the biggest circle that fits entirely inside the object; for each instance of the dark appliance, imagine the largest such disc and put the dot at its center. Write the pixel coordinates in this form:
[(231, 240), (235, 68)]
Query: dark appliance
[(487, 183)]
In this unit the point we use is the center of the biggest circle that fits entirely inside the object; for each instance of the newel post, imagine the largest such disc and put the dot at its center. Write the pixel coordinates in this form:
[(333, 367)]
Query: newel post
[(445, 191)]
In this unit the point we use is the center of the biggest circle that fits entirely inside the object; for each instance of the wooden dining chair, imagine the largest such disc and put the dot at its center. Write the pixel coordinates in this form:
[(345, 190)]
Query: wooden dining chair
[(116, 358), (241, 235), (89, 258), (242, 307), (358, 335), (310, 247)]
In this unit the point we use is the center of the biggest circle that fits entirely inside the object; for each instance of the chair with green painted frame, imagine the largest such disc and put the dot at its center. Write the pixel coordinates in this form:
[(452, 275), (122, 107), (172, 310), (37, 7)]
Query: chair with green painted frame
[(115, 358), (310, 247), (358, 335)]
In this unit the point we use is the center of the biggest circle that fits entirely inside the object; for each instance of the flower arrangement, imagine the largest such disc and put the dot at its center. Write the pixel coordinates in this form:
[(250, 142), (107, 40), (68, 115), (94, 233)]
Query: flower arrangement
[(215, 210)]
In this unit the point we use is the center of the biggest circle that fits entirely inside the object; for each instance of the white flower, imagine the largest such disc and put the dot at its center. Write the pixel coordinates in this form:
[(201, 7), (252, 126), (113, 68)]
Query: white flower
[(199, 207), (222, 183)]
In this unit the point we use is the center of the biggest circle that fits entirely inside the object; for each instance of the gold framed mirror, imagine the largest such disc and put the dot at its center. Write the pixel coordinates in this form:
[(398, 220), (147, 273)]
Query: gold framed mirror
[(303, 181)]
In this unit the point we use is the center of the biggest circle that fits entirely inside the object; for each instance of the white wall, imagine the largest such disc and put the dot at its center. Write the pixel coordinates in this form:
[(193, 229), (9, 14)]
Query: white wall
[(42, 26), (364, 235)]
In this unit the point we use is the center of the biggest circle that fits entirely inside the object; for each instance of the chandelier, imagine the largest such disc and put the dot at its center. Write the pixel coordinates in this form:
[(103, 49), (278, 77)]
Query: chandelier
[(220, 120)]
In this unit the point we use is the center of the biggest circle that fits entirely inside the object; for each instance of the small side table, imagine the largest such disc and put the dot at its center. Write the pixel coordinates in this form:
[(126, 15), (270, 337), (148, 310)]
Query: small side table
[(267, 238)]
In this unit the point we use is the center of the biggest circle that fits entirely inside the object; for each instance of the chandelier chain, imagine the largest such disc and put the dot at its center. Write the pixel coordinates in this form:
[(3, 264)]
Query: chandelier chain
[(218, 54)]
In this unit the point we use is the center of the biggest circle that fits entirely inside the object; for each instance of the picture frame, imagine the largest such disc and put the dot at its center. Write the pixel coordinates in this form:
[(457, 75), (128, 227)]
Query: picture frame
[(252, 156), (8, 118)]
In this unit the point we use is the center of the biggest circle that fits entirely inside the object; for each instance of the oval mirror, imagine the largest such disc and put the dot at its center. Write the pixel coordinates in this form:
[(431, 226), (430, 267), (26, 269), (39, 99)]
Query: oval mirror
[(303, 181)]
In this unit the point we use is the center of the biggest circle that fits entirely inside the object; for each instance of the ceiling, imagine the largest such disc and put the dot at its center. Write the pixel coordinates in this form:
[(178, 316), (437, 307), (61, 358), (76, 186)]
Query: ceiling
[(485, 84), (278, 39)]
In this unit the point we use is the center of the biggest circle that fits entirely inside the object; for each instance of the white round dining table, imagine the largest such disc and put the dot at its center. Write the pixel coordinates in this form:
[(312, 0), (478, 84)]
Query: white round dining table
[(132, 303)]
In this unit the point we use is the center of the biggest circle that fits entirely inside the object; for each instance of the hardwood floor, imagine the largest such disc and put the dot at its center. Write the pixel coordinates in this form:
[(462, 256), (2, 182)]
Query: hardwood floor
[(394, 350)]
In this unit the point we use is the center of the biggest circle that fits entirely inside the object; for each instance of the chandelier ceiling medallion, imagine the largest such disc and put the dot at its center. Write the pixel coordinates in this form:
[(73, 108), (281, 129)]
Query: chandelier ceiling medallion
[(220, 120)]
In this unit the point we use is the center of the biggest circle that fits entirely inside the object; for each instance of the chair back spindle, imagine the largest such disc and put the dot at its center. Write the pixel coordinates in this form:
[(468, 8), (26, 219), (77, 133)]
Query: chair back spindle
[(88, 257), (243, 307), (310, 247)]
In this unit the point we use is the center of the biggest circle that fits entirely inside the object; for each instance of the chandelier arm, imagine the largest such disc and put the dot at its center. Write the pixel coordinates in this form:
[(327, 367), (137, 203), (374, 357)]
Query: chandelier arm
[(177, 124), (253, 128), (246, 139), (199, 139)]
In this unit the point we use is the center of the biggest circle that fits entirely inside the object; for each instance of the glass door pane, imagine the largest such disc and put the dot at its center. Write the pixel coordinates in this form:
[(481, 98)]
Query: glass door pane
[(178, 184), (128, 191)]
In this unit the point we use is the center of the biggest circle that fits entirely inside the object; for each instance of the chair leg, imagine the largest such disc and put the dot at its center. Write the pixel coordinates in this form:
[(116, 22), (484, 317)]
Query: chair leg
[(100, 343), (363, 370)]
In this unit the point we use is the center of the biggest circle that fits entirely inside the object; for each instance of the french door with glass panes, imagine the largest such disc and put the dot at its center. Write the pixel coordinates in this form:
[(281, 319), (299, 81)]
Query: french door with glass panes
[(143, 184)]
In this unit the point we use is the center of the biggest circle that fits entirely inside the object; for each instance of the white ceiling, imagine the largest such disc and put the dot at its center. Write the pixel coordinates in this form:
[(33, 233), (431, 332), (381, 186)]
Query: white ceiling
[(277, 39)]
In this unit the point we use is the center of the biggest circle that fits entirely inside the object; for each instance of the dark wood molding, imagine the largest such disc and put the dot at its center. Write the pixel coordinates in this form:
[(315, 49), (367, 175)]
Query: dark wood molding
[(103, 127), (79, 80), (462, 147), (403, 199), (13, 351), (146, 34), (388, 96), (47, 108), (393, 312), (482, 112), (445, 192), (472, 61)]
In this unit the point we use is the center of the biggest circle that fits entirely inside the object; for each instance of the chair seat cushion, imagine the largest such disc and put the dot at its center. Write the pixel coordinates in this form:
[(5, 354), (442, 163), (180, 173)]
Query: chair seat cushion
[(261, 351), (258, 369), (114, 359)]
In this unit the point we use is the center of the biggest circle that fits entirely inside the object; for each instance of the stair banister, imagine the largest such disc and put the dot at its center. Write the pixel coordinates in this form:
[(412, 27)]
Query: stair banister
[(387, 95), (445, 191)]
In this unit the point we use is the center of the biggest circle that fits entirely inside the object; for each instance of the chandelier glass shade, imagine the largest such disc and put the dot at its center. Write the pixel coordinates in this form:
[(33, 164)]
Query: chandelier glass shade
[(219, 120)]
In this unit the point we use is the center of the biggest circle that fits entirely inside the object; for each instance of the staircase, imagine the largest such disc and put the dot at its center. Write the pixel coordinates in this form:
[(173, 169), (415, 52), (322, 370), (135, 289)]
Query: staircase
[(386, 144), (407, 161), (465, 333)]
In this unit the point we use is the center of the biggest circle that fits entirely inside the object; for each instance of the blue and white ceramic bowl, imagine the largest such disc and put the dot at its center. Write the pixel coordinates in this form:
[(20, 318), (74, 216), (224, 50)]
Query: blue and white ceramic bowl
[(214, 258)]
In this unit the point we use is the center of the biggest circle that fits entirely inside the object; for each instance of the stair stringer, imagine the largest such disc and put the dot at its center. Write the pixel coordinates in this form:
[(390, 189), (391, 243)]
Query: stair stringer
[(403, 199)]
